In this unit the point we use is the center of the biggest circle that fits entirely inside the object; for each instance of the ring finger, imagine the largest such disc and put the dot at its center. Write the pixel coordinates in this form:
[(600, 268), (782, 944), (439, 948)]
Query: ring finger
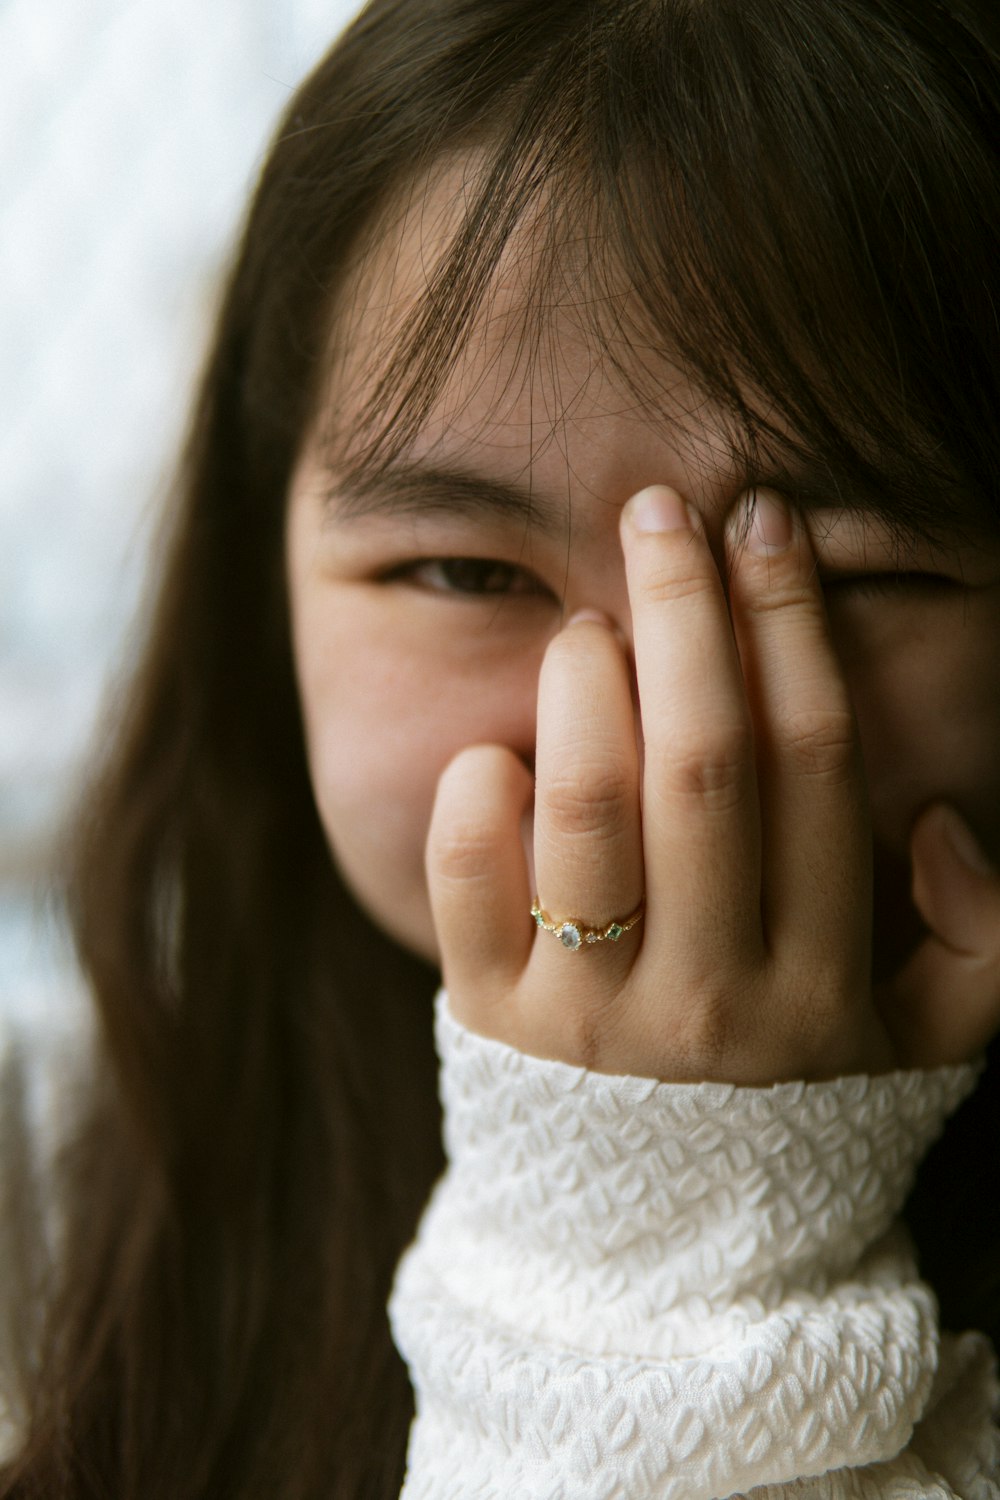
[(587, 836)]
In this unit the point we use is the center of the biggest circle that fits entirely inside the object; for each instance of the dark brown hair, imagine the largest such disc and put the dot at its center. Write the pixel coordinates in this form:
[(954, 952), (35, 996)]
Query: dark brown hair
[(804, 199)]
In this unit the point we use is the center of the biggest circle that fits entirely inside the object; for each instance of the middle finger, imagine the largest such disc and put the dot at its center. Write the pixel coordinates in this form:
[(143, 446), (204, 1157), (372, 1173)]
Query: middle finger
[(701, 825)]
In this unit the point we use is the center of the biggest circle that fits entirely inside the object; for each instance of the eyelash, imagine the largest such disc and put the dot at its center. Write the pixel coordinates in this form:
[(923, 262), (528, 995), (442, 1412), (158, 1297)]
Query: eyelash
[(888, 585), (492, 578), (472, 577)]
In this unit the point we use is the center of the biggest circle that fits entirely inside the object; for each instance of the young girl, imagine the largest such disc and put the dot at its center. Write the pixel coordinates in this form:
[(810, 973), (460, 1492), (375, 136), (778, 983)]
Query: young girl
[(593, 484)]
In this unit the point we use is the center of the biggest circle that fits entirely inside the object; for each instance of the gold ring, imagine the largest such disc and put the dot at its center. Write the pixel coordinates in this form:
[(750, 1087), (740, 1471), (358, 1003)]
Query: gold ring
[(574, 934)]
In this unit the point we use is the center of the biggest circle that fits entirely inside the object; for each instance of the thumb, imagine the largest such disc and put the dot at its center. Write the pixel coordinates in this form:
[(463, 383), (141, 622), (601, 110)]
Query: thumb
[(944, 1005)]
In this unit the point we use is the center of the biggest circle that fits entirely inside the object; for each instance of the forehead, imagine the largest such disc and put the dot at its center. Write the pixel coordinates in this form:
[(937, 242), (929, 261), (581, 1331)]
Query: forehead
[(552, 356), (556, 378)]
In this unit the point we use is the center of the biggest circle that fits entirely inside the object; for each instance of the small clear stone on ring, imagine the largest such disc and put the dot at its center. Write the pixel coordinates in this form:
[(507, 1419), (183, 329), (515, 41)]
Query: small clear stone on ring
[(569, 935)]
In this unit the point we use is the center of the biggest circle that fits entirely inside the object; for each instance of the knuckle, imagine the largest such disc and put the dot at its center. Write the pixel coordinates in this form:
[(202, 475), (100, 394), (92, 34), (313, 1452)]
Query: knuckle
[(820, 1036), (589, 798), (665, 586), (822, 743), (585, 1032), (714, 771), (782, 592), (463, 851), (593, 1035), (710, 1042)]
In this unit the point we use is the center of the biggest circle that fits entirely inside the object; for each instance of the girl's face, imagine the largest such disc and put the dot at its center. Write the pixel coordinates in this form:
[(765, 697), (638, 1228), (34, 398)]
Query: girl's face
[(422, 605)]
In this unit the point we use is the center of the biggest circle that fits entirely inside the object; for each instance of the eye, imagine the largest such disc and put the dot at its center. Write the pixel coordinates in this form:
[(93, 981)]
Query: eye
[(889, 585), (470, 576)]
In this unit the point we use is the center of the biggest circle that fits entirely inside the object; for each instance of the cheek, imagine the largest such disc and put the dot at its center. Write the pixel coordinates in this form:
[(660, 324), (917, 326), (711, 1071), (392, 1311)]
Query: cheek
[(382, 722), (928, 706)]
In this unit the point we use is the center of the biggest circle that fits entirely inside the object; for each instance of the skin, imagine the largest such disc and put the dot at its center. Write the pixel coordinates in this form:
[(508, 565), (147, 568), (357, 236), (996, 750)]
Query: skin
[(743, 710)]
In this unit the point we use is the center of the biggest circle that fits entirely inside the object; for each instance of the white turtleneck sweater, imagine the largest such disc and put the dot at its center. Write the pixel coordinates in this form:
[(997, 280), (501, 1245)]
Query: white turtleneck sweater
[(623, 1289)]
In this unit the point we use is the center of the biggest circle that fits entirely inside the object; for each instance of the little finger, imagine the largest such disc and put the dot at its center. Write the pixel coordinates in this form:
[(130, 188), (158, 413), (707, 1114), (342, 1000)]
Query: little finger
[(477, 879)]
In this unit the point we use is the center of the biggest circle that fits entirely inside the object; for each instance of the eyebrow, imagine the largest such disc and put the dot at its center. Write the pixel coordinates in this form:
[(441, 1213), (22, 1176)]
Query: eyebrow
[(409, 488)]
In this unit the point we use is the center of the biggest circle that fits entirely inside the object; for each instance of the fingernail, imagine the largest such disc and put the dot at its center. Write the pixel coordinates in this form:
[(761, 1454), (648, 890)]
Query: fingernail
[(964, 842), (659, 509), (596, 616), (770, 528)]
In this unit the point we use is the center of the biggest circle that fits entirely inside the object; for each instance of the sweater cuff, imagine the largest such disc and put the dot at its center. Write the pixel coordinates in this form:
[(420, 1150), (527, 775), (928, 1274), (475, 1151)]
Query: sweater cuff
[(700, 1194), (724, 1254)]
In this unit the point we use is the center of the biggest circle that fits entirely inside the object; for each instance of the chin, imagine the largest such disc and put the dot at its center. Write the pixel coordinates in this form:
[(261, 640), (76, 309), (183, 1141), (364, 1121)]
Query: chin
[(407, 923)]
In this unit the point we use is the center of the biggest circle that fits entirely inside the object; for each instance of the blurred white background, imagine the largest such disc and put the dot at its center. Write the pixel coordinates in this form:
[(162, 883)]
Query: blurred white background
[(130, 133)]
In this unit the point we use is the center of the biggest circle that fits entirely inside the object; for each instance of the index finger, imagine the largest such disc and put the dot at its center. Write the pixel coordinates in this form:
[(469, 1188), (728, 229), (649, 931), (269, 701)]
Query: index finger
[(816, 835)]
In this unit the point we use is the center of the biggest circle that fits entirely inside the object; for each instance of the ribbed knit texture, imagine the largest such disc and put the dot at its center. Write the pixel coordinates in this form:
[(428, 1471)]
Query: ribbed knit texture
[(624, 1289)]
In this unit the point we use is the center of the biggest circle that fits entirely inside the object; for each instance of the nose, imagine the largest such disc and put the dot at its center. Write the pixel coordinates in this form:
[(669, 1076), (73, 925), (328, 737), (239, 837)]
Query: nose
[(600, 589)]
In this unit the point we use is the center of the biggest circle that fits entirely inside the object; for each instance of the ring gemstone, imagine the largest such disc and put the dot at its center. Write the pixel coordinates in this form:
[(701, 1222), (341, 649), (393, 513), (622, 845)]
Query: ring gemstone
[(574, 933)]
